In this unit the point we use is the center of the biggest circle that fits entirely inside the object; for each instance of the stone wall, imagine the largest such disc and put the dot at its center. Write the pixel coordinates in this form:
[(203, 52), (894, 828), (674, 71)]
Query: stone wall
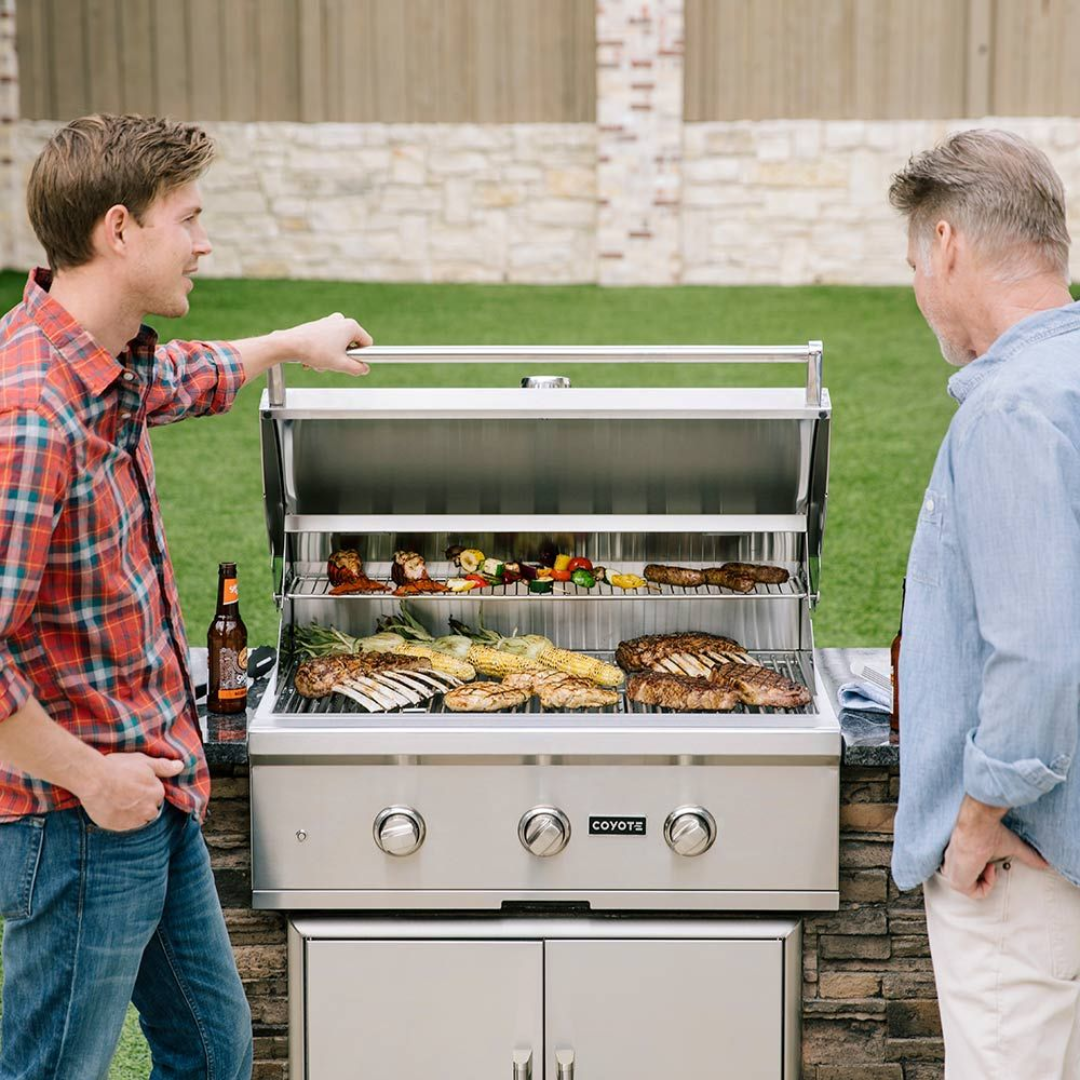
[(869, 1007), (640, 199)]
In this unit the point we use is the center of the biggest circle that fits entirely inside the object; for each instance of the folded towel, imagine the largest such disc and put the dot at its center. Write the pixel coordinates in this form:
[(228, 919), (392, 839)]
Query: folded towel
[(864, 696)]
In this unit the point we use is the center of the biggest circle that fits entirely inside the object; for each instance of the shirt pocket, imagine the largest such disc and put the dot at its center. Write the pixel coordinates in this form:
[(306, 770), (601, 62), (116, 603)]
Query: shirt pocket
[(924, 562), (20, 854)]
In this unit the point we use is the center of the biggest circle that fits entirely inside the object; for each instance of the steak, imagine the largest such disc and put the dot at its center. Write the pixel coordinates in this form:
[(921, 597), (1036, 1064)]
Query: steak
[(760, 686), (680, 692), (645, 653)]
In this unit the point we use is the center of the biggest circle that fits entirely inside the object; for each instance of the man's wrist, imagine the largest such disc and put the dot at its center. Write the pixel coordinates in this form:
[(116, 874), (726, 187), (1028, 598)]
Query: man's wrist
[(974, 813)]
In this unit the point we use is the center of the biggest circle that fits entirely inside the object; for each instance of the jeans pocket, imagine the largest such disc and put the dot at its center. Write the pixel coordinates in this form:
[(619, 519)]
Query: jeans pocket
[(144, 827), (21, 842), (924, 562)]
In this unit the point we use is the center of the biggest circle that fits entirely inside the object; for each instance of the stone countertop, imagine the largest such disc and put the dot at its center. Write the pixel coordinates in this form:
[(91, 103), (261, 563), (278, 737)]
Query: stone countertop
[(866, 735)]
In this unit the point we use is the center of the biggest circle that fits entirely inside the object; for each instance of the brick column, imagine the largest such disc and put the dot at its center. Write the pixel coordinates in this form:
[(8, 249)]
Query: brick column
[(639, 111), (10, 190)]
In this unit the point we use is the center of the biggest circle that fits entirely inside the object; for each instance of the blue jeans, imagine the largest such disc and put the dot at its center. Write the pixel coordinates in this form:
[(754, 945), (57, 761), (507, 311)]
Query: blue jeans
[(95, 919)]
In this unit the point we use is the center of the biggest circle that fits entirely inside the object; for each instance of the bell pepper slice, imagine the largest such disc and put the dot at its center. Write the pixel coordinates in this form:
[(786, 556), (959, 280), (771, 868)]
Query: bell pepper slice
[(579, 563)]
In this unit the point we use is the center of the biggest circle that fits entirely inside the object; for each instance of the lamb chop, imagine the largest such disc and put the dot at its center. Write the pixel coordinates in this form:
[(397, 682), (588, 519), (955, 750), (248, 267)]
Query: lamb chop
[(484, 697), (557, 690), (376, 681), (760, 686), (693, 653), (681, 693)]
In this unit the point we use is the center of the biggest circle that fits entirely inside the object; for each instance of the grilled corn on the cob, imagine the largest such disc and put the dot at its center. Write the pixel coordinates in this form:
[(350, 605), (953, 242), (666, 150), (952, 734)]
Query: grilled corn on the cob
[(585, 667), (440, 661), (489, 661)]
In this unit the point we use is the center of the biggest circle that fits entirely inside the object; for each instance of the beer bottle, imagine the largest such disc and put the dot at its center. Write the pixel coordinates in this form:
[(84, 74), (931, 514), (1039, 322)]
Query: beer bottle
[(226, 641), (894, 719)]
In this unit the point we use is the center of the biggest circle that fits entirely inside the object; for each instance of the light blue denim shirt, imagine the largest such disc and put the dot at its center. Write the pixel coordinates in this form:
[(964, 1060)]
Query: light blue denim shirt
[(990, 661)]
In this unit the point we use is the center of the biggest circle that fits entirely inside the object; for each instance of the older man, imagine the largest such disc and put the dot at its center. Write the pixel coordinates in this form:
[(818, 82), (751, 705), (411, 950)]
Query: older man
[(105, 883), (989, 817)]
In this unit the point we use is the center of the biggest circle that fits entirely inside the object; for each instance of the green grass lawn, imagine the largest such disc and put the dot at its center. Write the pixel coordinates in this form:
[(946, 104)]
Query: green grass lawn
[(882, 367)]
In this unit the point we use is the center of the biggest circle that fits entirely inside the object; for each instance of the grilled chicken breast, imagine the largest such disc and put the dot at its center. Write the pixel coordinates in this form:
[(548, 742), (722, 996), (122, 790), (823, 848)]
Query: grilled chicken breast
[(644, 653), (316, 678), (484, 697), (681, 692), (557, 690), (760, 686)]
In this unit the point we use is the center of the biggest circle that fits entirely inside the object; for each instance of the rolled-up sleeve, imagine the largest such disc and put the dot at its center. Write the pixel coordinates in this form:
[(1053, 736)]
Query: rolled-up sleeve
[(34, 472), (193, 378), (1017, 505)]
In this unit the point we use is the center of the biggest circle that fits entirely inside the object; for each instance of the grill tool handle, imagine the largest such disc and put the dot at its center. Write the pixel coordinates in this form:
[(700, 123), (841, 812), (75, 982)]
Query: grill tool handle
[(809, 354), (522, 1065), (564, 1064)]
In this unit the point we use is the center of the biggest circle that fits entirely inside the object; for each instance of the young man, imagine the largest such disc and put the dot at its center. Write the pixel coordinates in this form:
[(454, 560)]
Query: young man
[(989, 817), (105, 884)]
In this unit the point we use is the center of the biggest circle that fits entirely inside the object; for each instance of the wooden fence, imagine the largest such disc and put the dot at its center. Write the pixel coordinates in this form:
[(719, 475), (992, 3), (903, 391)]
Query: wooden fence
[(500, 61), (453, 61)]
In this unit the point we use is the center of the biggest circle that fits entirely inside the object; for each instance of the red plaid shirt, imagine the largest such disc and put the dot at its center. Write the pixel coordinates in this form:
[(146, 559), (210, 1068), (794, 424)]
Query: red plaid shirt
[(89, 615)]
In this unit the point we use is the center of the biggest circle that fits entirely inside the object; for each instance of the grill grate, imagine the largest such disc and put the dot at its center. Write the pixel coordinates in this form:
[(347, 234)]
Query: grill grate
[(314, 585), (289, 702)]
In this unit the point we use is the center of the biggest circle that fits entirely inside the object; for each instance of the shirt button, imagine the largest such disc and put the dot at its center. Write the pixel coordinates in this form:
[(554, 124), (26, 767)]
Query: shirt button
[(128, 376), (125, 416), (929, 505)]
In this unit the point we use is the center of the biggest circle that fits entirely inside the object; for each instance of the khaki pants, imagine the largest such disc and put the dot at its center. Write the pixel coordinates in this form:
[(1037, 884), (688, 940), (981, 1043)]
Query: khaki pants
[(1008, 976)]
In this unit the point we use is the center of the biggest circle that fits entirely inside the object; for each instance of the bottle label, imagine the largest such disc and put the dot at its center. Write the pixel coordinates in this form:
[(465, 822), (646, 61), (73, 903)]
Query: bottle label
[(232, 667), (230, 591)]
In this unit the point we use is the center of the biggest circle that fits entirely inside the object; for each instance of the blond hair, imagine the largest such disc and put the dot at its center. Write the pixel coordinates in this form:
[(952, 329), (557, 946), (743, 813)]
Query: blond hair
[(100, 161), (995, 188)]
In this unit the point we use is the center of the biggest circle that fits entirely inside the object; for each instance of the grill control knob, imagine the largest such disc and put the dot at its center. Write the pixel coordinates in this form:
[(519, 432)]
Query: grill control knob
[(544, 831), (399, 830), (690, 830)]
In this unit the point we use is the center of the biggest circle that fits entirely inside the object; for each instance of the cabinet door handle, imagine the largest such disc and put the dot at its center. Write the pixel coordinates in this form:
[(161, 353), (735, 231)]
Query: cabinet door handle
[(564, 1064), (522, 1065)]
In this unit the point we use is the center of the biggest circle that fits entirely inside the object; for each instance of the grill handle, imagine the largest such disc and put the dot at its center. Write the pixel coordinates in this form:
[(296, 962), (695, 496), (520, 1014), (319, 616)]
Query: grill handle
[(522, 1065), (809, 354), (564, 1064)]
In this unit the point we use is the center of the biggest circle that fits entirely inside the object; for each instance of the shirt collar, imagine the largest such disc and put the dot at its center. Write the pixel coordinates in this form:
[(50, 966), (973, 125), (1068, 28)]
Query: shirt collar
[(1028, 331), (93, 364)]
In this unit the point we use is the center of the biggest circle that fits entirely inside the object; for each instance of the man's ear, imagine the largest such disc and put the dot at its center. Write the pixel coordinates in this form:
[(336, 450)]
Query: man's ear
[(113, 229), (947, 244)]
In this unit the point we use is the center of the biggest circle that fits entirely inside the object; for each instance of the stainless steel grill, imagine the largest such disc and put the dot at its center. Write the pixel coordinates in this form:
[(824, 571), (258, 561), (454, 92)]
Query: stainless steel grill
[(618, 819)]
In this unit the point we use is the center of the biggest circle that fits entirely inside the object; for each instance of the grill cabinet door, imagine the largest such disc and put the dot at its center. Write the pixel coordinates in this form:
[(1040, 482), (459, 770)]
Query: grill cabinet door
[(666, 1010), (414, 1010)]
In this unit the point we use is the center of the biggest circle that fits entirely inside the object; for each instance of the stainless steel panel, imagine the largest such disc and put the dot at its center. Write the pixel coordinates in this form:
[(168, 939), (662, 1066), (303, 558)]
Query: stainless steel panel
[(638, 1010), (535, 465), (414, 1010), (777, 827)]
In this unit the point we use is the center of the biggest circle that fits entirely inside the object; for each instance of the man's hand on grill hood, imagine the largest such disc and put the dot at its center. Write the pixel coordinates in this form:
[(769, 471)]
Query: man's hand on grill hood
[(319, 345)]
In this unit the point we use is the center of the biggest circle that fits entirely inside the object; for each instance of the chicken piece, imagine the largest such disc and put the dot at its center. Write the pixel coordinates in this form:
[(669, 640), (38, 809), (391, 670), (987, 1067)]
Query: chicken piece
[(760, 686), (484, 697), (729, 579), (408, 566), (361, 584), (680, 692), (557, 690), (345, 566), (673, 575), (316, 678), (769, 575), (646, 653)]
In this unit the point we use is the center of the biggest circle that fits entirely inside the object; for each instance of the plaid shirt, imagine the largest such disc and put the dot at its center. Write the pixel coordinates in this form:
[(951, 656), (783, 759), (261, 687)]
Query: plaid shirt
[(89, 614)]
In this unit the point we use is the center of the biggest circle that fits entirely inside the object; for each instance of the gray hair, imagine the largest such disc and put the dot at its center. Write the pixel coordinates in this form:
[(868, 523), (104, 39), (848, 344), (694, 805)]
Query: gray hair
[(995, 188)]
